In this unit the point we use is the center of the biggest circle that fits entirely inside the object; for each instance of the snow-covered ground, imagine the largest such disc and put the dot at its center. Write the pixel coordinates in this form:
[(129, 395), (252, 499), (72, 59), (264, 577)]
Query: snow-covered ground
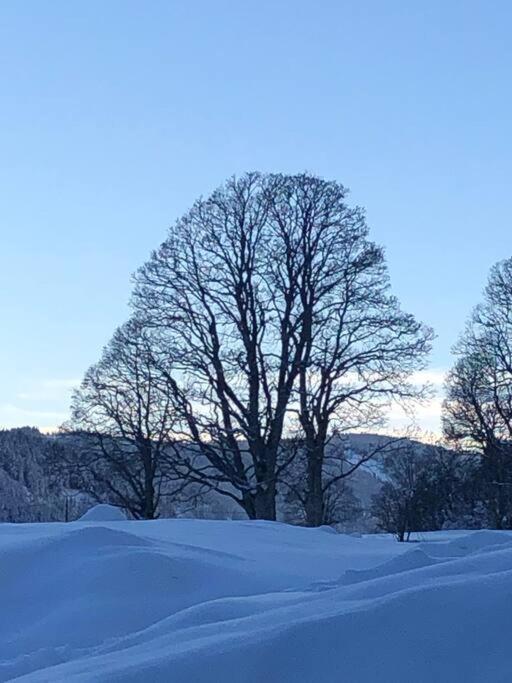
[(251, 602)]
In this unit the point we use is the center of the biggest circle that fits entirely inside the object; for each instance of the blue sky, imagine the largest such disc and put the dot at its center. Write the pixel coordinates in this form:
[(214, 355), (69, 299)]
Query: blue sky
[(115, 116)]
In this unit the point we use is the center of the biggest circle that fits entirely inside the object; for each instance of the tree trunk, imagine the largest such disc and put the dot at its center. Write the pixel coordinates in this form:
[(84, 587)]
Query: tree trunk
[(265, 495), (149, 501), (260, 505), (247, 504), (265, 503), (314, 500), (149, 483), (314, 503)]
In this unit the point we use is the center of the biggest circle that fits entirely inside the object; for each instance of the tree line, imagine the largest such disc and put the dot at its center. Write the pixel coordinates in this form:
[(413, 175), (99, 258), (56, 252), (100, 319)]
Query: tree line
[(262, 330)]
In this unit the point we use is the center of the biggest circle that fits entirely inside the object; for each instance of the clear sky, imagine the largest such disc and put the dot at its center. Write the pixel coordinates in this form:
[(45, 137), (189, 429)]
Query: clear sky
[(115, 116)]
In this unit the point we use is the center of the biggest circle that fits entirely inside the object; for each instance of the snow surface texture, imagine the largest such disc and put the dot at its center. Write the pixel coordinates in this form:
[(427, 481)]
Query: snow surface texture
[(211, 601)]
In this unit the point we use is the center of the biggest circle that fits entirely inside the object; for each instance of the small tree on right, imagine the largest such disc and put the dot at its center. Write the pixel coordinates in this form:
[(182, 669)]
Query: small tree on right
[(399, 506), (477, 412), (421, 489)]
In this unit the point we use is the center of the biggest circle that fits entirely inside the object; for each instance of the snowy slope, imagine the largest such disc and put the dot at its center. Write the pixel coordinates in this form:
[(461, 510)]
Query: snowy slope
[(213, 601)]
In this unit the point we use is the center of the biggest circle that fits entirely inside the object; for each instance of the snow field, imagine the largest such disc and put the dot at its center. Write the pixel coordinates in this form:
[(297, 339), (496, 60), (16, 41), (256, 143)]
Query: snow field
[(210, 601)]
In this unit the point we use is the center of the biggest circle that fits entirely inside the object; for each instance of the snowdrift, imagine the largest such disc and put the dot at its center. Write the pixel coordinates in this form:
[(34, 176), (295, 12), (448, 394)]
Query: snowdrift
[(209, 601), (103, 513)]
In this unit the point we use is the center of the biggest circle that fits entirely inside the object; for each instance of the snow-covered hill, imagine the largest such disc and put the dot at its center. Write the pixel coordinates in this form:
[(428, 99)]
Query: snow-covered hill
[(215, 601)]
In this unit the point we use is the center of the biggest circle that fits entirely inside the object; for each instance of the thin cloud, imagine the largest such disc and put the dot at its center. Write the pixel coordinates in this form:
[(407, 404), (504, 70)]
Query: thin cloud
[(49, 390)]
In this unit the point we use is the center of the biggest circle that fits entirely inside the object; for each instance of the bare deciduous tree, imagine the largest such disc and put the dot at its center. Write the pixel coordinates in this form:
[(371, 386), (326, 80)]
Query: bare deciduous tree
[(122, 421), (275, 304), (418, 493), (224, 286), (477, 412), (361, 348)]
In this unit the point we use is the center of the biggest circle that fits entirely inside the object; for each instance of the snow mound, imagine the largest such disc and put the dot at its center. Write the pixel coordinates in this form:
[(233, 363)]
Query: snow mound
[(414, 559), (477, 541), (189, 600), (103, 513)]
